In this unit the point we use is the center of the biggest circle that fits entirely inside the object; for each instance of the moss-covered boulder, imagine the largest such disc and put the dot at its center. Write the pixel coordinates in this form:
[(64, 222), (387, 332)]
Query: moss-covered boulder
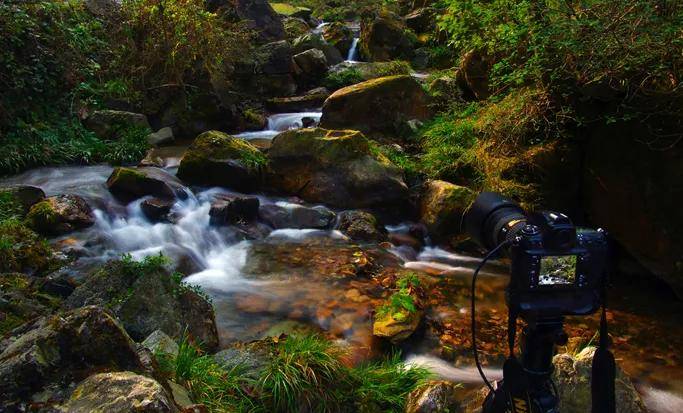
[(128, 184), (55, 351), (109, 124), (338, 167), (218, 159), (347, 73), (148, 299), (386, 38), (261, 17), (316, 41), (25, 251), (60, 214), (120, 392), (311, 65), (340, 36), (382, 106), (22, 301), (442, 207), (396, 327)]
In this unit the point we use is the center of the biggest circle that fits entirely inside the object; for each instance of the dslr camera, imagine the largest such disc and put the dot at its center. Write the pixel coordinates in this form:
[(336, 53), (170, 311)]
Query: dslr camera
[(556, 268)]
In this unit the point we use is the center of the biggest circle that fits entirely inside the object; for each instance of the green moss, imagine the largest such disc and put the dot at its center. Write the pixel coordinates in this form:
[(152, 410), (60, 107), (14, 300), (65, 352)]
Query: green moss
[(324, 146), (218, 145), (22, 250), (287, 9), (42, 215)]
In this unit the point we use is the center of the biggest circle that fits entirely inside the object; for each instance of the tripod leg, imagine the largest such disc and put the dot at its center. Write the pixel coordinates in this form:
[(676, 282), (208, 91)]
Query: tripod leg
[(496, 401)]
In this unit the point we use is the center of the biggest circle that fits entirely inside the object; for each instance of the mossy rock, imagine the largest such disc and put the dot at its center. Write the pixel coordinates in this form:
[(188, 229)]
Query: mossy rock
[(218, 159), (128, 184), (338, 167), (21, 302), (60, 214), (386, 38), (378, 106), (316, 41), (396, 327), (110, 124), (442, 207), (340, 36), (295, 27), (22, 250)]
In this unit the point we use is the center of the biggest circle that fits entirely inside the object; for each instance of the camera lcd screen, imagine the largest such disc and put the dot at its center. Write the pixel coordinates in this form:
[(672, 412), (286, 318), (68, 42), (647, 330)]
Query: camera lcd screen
[(557, 270)]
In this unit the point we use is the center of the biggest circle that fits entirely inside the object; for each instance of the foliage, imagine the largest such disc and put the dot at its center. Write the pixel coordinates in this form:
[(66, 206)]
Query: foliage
[(626, 51), (301, 372), (10, 208), (402, 302), (342, 78), (21, 249), (337, 10)]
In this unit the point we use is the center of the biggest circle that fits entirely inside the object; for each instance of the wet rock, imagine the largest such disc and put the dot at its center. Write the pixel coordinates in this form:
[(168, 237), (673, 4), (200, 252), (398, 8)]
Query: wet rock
[(297, 103), (338, 168), (396, 327), (308, 122), (473, 74), (57, 284), (261, 17), (227, 209), (383, 106), (312, 62), (58, 350), (386, 38), (25, 195), (361, 226), (108, 124), (442, 207), (128, 184), (295, 27), (147, 302), (159, 341), (315, 41), (421, 20), (218, 159), (157, 209), (572, 377), (163, 136), (253, 357), (340, 36), (296, 216), (120, 392), (19, 301), (435, 396), (60, 214)]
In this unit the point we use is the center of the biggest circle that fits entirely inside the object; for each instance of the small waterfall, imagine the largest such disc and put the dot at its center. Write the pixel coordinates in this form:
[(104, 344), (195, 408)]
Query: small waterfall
[(280, 123), (353, 51)]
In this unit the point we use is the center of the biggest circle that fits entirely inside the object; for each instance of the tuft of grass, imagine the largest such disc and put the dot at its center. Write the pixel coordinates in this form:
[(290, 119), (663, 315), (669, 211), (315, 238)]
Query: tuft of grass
[(10, 208), (23, 250)]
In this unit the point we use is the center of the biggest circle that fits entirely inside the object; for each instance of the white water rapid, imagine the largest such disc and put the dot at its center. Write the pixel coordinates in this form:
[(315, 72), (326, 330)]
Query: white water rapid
[(282, 122), (353, 51)]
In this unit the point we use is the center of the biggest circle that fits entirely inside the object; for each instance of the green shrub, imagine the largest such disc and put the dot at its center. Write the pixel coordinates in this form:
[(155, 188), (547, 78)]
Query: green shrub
[(22, 250), (401, 303), (343, 78), (67, 142)]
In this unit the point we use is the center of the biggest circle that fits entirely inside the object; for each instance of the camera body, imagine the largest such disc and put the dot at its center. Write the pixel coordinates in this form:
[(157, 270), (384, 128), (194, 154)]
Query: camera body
[(556, 268), (551, 278)]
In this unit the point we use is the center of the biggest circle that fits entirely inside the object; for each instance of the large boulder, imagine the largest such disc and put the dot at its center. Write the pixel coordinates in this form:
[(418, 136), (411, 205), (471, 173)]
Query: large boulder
[(218, 159), (315, 41), (572, 376), (339, 168), (340, 36), (128, 184), (434, 396), (109, 124), (442, 207), (383, 106), (228, 209), (60, 214), (361, 226), (58, 350), (120, 392), (148, 300), (386, 38), (267, 71), (261, 17)]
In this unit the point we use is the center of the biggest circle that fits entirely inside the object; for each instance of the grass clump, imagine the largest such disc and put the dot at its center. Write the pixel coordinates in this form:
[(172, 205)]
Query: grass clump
[(10, 208), (299, 373), (22, 250)]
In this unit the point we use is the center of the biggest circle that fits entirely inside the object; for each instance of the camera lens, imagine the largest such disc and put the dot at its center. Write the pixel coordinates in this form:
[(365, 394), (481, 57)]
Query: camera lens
[(492, 219)]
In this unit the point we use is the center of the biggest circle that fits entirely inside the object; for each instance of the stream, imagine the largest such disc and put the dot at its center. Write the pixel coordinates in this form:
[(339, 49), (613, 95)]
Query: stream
[(297, 277)]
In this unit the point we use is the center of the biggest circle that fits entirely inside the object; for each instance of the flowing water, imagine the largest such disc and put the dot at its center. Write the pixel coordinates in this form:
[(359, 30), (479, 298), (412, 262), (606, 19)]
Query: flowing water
[(353, 51), (281, 122)]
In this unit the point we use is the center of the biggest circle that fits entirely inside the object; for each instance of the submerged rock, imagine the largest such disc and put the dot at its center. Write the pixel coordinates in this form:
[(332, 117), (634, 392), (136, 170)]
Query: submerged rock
[(361, 226), (120, 392), (58, 350), (442, 207), (227, 209), (383, 105), (60, 214), (296, 216), (128, 184), (157, 209), (108, 124), (435, 396), (149, 301), (216, 158), (339, 168)]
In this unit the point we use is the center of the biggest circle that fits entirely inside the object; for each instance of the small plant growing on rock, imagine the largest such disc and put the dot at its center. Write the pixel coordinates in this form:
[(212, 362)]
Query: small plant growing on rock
[(401, 303)]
